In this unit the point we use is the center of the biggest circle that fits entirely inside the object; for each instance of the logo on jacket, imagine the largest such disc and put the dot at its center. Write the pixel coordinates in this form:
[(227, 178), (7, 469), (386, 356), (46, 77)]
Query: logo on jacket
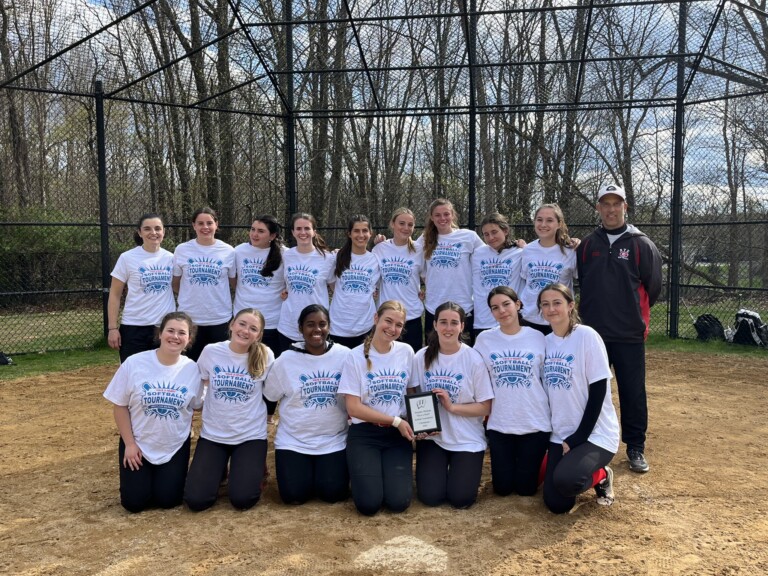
[(623, 253)]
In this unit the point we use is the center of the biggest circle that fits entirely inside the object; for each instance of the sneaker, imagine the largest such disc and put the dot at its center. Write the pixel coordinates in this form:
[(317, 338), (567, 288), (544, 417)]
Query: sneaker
[(604, 490), (637, 461)]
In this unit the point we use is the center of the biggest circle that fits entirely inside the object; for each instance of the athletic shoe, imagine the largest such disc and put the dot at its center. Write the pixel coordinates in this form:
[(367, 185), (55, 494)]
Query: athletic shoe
[(604, 490), (637, 461)]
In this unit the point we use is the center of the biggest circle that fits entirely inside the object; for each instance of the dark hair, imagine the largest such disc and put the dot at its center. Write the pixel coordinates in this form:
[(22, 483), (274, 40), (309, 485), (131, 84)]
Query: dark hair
[(501, 221), (275, 256), (344, 255), (573, 316), (311, 309), (504, 291), (430, 230), (183, 317), (257, 352), (317, 240), (433, 340), (561, 234), (205, 210), (148, 216)]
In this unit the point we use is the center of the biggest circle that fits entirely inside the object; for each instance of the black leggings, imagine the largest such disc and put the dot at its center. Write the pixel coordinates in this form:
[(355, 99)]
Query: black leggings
[(380, 467), (135, 339), (413, 334), (446, 476), (301, 477), (570, 475), (516, 460), (160, 485), (207, 335), (246, 472)]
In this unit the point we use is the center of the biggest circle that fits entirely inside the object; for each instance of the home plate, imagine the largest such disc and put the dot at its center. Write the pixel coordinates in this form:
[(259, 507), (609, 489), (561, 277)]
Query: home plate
[(404, 554)]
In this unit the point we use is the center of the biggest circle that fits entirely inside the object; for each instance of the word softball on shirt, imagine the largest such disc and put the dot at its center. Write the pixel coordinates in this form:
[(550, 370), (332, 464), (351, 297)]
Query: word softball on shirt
[(512, 368), (444, 379), (231, 384), (356, 279), (557, 370), (301, 279), (446, 255), (250, 273), (396, 270), (386, 386), (163, 399), (204, 271), (318, 390), (495, 272), (155, 279), (541, 274)]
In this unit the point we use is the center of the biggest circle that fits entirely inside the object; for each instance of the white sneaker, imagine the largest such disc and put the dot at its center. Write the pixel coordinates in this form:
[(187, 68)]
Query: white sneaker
[(604, 490)]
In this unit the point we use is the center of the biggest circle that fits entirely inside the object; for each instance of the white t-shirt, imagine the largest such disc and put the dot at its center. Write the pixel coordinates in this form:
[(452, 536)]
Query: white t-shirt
[(254, 290), (520, 404), (448, 272), (306, 280), (401, 276), (160, 400), (233, 411), (464, 376), (313, 415), (541, 266), (353, 306), (384, 385), (571, 364), (148, 277), (204, 291), (491, 269)]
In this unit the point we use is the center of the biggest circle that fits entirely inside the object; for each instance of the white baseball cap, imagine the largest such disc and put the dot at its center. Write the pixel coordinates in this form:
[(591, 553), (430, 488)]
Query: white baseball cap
[(612, 189)]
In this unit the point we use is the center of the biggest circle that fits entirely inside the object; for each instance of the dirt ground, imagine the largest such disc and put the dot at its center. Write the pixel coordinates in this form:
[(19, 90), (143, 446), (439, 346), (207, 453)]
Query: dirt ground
[(703, 508)]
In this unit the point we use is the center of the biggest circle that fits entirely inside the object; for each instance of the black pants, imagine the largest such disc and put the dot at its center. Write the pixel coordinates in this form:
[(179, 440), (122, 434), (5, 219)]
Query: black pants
[(207, 335), (135, 339), (209, 465), (516, 461), (628, 361), (380, 468), (543, 328), (429, 326), (160, 485), (271, 339), (413, 334), (301, 477), (285, 342), (570, 475), (349, 341), (446, 476)]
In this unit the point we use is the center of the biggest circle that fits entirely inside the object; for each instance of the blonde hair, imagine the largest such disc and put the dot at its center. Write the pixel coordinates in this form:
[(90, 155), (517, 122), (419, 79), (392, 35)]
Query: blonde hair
[(257, 352), (430, 230), (400, 212), (561, 234), (385, 306)]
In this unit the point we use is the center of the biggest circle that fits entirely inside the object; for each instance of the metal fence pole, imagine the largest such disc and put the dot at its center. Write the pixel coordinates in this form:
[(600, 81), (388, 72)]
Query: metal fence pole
[(101, 153), (471, 56), (290, 119)]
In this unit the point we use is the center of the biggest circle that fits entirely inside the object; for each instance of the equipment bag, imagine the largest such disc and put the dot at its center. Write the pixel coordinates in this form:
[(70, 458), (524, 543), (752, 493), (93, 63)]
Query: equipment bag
[(748, 328), (708, 327)]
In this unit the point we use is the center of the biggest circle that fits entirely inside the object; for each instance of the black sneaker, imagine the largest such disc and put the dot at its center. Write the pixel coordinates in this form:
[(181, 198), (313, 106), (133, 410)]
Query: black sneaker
[(604, 490), (637, 461)]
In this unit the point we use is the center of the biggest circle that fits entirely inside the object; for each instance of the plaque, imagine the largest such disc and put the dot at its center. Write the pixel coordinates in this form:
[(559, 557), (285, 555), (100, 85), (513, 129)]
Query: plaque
[(423, 415)]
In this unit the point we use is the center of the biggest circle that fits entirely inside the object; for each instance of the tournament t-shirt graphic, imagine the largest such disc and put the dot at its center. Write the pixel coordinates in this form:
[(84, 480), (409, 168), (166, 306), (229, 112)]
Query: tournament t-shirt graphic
[(446, 255), (231, 384), (318, 389), (301, 279), (386, 387), (357, 279), (512, 368), (250, 273), (495, 272), (204, 271), (397, 270), (444, 379), (163, 399), (155, 279), (557, 370)]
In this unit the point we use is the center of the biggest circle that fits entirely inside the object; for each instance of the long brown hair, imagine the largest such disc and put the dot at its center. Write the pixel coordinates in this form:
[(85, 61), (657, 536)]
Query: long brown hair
[(182, 317), (275, 256), (430, 230), (257, 352), (395, 305), (562, 289), (433, 340), (317, 241), (501, 221), (561, 234), (344, 255)]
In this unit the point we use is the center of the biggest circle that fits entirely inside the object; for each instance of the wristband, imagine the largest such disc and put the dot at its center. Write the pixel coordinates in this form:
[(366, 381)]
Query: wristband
[(396, 422)]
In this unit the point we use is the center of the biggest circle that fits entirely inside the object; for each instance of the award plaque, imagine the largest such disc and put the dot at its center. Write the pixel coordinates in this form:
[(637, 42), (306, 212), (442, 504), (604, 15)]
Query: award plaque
[(423, 415)]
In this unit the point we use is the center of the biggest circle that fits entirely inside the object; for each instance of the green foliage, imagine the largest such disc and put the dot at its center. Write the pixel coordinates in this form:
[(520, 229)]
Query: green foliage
[(666, 344)]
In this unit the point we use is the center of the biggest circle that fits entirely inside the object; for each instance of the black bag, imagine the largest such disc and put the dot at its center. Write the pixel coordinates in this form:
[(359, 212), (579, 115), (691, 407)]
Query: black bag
[(5, 360), (749, 328), (708, 327)]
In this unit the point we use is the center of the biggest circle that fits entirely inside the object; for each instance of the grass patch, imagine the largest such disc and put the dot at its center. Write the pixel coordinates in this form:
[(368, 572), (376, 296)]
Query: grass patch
[(666, 344), (33, 332), (25, 365)]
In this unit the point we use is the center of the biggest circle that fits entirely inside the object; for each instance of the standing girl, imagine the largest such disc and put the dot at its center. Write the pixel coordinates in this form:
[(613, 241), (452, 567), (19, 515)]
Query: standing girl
[(548, 259), (519, 426), (374, 379), (310, 443), (154, 395), (585, 431), (356, 277), (309, 268), (234, 417), (448, 268), (203, 276), (401, 261), (495, 264), (449, 464), (147, 271)]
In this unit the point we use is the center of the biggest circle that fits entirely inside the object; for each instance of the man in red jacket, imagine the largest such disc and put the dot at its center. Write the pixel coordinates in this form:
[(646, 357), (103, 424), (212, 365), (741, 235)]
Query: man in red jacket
[(620, 279)]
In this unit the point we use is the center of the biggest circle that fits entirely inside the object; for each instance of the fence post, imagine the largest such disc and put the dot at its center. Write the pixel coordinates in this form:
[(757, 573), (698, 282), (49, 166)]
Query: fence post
[(290, 120), (471, 57), (101, 154)]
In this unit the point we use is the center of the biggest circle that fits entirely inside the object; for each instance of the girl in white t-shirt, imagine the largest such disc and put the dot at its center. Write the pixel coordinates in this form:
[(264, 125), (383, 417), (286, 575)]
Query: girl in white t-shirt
[(308, 270), (449, 463), (356, 277), (495, 264), (401, 261), (551, 258), (448, 251), (204, 277), (311, 439), (519, 426), (146, 271), (155, 394), (234, 429), (585, 430), (374, 379)]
